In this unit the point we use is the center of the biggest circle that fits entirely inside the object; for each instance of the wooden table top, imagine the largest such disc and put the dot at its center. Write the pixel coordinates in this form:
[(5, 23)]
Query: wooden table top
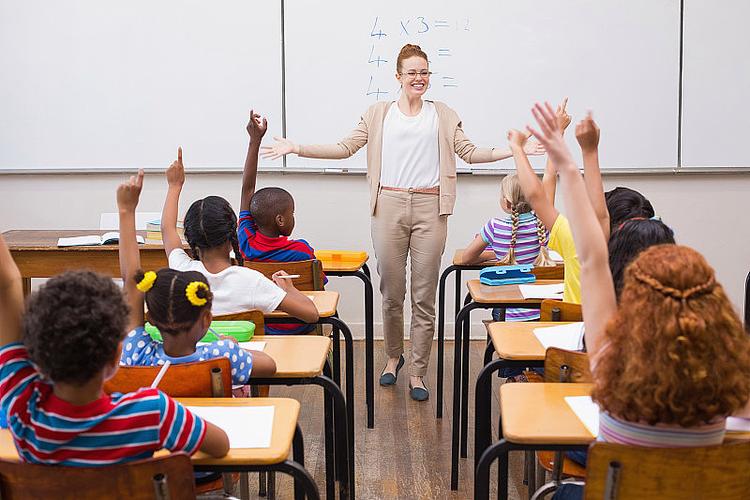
[(326, 302), (511, 294), (46, 240), (537, 413), (297, 355), (341, 260), (284, 423), (516, 340)]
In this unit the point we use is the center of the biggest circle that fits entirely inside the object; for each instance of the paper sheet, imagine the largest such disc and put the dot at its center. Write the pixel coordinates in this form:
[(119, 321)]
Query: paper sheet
[(555, 256), (735, 424), (254, 345), (79, 241), (246, 426), (587, 412), (553, 291), (568, 336)]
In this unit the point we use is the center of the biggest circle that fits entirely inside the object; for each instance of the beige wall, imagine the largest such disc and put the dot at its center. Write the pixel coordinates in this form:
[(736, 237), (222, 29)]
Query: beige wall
[(706, 212)]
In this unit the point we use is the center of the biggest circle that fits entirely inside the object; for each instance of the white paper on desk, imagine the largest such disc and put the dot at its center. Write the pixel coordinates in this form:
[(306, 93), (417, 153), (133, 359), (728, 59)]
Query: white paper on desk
[(255, 345), (569, 336), (246, 426), (587, 412), (553, 291), (554, 256), (735, 424)]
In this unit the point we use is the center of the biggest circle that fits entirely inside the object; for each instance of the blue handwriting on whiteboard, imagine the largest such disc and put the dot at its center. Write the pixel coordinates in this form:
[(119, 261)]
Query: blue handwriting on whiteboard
[(380, 34)]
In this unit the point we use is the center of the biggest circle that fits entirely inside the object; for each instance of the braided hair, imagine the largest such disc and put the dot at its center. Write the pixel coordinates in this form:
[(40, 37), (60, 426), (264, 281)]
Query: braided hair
[(209, 223), (169, 307)]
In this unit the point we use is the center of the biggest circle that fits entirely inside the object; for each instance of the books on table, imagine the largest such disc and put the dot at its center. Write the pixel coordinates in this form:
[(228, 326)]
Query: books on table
[(566, 336), (153, 231), (109, 238)]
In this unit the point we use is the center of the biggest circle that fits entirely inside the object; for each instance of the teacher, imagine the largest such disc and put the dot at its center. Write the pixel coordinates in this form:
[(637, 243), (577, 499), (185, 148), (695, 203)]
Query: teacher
[(411, 168)]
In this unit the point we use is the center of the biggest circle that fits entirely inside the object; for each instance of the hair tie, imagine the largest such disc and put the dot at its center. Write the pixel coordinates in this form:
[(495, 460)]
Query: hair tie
[(147, 282), (191, 292)]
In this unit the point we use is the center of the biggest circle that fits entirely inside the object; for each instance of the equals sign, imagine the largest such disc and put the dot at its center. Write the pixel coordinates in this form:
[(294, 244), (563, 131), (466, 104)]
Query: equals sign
[(444, 53), (449, 82), (442, 24)]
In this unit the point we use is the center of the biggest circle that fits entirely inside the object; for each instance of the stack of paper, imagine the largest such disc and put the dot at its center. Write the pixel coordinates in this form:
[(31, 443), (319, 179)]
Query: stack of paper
[(542, 291), (246, 426), (587, 412), (568, 336)]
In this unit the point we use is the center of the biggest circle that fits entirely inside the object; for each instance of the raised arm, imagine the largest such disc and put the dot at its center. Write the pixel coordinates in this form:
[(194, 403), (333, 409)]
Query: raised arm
[(532, 187), (597, 289), (11, 297), (256, 129), (175, 181), (130, 259), (549, 179), (587, 134), (468, 152)]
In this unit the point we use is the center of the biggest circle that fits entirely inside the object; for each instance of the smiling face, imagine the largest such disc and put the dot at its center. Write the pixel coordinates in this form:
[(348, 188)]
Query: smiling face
[(414, 76)]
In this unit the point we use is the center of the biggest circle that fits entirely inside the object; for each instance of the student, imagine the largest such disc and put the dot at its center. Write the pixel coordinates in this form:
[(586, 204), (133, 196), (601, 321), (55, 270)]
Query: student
[(267, 221), (211, 232), (179, 305), (51, 380), (624, 203), (654, 356), (516, 238)]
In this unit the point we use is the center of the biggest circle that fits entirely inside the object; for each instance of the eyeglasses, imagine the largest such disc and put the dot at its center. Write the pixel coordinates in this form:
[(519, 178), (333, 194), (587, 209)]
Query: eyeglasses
[(413, 74)]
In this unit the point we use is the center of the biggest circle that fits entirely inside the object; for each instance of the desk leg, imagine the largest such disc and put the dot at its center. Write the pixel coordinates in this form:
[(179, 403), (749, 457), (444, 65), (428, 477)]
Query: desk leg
[(336, 355), (369, 346), (329, 422), (483, 408), (301, 476), (441, 338), (482, 474), (465, 382), (345, 467), (298, 455)]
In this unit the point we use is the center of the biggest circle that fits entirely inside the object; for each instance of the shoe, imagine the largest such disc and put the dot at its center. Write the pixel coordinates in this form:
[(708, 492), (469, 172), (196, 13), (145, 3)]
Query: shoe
[(418, 393), (389, 378)]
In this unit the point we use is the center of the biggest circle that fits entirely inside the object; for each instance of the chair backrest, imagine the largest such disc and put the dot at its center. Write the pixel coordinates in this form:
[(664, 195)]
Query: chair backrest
[(561, 365), (310, 272), (254, 316), (202, 379), (556, 310), (160, 478), (548, 272), (620, 472)]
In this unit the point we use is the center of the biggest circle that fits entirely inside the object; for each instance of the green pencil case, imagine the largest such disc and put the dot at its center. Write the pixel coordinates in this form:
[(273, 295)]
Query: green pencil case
[(243, 331)]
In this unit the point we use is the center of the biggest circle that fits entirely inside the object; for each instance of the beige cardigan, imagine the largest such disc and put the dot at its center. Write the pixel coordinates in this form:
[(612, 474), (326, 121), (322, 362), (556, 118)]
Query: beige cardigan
[(451, 138)]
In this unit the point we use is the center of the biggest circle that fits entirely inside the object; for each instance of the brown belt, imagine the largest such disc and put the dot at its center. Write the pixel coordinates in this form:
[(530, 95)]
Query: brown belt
[(429, 190)]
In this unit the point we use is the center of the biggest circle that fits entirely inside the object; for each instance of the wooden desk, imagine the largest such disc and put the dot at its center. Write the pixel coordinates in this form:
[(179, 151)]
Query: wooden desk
[(504, 295), (285, 437), (325, 302), (516, 340), (347, 262), (297, 355)]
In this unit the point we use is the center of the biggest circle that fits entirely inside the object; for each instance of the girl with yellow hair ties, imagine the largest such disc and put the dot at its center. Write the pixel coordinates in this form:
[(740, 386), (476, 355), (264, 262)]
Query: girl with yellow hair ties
[(179, 305)]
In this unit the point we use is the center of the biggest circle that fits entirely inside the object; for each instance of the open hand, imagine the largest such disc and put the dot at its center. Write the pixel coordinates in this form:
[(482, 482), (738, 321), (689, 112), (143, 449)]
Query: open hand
[(562, 116), (587, 134), (517, 139), (176, 171), (129, 192), (256, 128), (281, 147), (551, 136)]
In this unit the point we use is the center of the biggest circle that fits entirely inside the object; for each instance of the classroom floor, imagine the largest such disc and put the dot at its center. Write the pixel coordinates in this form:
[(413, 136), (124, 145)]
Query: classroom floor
[(407, 454)]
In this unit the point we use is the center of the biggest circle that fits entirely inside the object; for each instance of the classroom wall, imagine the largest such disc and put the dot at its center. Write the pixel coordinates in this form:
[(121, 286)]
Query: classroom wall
[(707, 212)]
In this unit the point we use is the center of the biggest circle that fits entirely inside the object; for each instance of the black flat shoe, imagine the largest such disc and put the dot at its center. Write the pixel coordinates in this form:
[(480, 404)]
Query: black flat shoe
[(389, 378), (418, 393)]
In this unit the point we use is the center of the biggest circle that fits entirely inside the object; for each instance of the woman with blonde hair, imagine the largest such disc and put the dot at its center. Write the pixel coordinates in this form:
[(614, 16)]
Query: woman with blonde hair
[(411, 168)]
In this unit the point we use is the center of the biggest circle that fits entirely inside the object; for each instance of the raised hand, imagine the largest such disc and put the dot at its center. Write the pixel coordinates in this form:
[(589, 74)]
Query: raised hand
[(561, 113), (176, 171), (281, 147), (551, 136), (517, 139), (129, 192), (256, 128), (587, 134)]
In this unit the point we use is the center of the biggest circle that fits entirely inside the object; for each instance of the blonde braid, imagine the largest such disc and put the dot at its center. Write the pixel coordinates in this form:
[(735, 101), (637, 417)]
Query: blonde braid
[(543, 259), (510, 257)]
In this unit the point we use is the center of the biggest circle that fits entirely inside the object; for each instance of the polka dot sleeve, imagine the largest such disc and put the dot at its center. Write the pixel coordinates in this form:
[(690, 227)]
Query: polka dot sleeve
[(241, 360), (138, 349)]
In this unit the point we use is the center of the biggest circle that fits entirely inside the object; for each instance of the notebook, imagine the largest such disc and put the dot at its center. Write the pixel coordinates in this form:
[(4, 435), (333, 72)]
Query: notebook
[(246, 426), (94, 240), (568, 336)]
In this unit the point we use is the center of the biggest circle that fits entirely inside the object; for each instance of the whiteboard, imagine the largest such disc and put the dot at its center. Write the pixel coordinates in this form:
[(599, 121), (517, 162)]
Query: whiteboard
[(491, 61), (102, 84), (716, 84)]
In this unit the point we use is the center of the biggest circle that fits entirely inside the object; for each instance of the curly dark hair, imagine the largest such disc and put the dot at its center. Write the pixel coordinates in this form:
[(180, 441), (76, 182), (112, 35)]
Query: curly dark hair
[(625, 203), (168, 306), (73, 325), (211, 222)]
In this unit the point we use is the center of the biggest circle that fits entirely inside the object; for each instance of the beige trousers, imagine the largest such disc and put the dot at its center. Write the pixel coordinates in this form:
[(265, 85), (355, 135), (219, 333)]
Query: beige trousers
[(408, 224)]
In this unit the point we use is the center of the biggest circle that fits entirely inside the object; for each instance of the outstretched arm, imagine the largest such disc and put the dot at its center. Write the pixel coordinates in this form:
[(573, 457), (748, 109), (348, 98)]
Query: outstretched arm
[(532, 187), (597, 289), (130, 259), (549, 179), (175, 181), (11, 297), (587, 134), (256, 129)]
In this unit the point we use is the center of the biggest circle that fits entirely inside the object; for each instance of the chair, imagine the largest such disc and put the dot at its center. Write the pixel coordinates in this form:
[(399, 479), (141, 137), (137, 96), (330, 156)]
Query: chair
[(202, 379), (561, 365), (555, 310), (310, 272), (620, 472), (154, 478)]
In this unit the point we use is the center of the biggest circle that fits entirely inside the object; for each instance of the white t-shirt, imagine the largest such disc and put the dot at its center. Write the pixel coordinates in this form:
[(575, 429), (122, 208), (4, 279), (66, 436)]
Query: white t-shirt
[(235, 289), (410, 148)]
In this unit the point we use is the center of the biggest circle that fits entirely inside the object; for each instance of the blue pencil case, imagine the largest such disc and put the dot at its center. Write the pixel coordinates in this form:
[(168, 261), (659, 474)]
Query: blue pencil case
[(507, 275)]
